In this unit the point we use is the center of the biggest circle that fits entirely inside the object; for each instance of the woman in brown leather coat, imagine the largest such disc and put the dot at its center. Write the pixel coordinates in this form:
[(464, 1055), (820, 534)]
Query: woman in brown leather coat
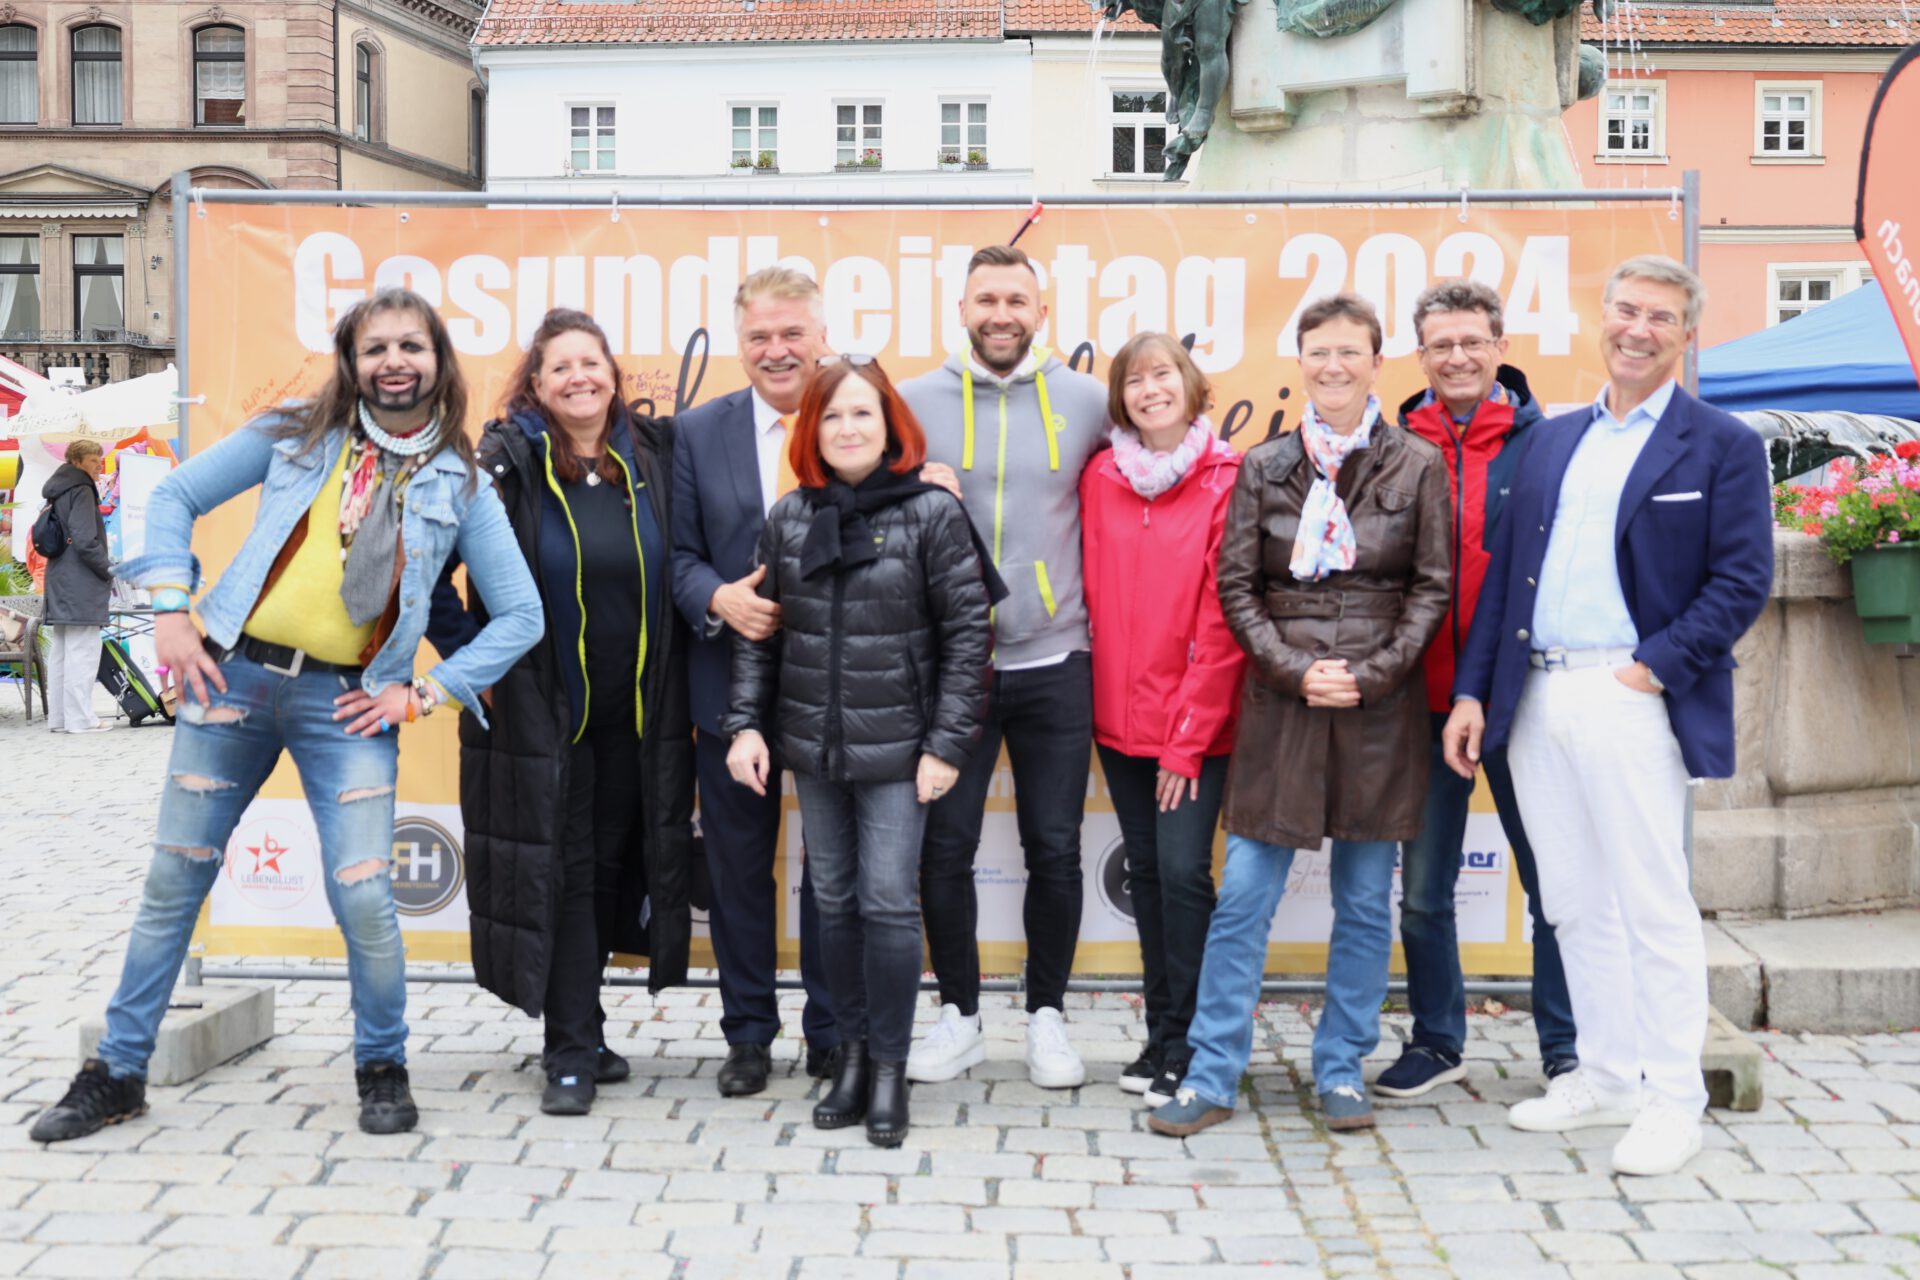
[(1334, 576)]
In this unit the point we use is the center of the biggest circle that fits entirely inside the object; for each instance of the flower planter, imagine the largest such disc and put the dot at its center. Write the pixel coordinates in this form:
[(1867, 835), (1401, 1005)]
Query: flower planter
[(1886, 593)]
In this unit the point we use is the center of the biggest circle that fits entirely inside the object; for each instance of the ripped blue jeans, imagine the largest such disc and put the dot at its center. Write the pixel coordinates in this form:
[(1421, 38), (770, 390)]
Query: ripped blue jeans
[(221, 755)]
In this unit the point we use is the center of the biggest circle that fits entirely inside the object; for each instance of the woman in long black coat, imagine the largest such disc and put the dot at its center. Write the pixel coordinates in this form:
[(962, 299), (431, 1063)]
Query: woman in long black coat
[(578, 802)]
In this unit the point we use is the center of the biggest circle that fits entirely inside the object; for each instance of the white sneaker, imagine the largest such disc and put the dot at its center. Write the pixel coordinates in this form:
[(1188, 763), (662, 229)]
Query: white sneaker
[(1571, 1102), (1663, 1138), (1051, 1061), (951, 1047)]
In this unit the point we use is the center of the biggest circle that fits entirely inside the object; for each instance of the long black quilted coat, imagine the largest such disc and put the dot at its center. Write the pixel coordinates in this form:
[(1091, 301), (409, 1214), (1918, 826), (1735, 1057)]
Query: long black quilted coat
[(513, 778), (876, 664)]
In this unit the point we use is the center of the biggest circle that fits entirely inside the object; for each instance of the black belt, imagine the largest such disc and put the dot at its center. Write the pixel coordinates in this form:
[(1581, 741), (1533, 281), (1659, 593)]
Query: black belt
[(281, 659)]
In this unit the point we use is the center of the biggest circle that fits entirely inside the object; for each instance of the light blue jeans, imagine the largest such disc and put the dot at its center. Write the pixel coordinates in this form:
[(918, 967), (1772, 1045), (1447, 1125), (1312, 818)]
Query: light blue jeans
[(1256, 876), (221, 755)]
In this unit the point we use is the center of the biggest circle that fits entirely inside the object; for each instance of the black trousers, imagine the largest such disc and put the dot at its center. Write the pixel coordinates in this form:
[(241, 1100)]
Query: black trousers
[(597, 836), (740, 831), (1045, 716)]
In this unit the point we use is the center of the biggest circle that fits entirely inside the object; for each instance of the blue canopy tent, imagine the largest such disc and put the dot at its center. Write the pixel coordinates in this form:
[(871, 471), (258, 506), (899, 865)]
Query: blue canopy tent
[(1845, 355)]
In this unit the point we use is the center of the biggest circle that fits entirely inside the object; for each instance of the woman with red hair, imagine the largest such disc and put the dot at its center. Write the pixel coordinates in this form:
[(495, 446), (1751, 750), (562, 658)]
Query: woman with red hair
[(874, 691)]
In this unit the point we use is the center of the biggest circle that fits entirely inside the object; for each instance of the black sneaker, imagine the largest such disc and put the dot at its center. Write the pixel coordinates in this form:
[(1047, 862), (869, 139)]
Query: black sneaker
[(94, 1101), (610, 1067), (823, 1063), (568, 1096), (1165, 1085), (1137, 1075), (386, 1104), (1418, 1070)]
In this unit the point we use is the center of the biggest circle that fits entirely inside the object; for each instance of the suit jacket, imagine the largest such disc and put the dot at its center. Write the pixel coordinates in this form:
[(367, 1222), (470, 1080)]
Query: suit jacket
[(717, 518), (1695, 550)]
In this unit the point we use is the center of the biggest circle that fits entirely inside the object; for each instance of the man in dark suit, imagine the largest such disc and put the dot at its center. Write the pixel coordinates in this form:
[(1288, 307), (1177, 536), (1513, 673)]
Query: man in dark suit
[(729, 464), (1636, 549)]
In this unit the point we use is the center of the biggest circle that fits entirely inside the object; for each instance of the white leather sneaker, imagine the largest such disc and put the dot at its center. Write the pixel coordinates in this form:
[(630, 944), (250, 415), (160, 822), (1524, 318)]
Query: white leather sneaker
[(1051, 1060), (1663, 1138), (1571, 1102), (951, 1046)]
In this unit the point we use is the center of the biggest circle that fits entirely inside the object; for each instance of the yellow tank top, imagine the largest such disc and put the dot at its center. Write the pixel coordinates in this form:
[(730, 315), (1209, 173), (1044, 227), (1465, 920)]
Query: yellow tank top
[(303, 609)]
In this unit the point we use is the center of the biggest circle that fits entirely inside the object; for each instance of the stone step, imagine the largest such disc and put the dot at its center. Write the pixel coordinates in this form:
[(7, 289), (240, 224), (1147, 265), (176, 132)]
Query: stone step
[(1847, 974)]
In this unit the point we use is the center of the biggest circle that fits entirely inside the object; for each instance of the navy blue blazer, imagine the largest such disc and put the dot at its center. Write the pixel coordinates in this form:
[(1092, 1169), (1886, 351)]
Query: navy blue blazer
[(1695, 550), (717, 519)]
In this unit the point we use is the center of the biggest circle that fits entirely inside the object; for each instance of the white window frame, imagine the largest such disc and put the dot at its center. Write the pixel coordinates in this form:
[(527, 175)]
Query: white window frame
[(1846, 277), (757, 133), (847, 155), (593, 110), (1139, 121), (1657, 89), (966, 126), (1815, 152)]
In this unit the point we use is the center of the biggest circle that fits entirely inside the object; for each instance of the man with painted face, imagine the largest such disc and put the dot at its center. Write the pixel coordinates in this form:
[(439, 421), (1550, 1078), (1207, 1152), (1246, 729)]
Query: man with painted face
[(1014, 427), (729, 466)]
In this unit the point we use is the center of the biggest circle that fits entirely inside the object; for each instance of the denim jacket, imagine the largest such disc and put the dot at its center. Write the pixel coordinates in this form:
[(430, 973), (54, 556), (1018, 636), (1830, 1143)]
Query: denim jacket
[(441, 517)]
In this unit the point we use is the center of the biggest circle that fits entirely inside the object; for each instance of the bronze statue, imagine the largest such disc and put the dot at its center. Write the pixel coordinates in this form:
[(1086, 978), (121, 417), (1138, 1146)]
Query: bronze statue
[(1193, 62)]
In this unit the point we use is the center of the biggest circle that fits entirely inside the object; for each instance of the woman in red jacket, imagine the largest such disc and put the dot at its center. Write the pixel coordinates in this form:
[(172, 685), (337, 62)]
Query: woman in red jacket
[(1166, 670)]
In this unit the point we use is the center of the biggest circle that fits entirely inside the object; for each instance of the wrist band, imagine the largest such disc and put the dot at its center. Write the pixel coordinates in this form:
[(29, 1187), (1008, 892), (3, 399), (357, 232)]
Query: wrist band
[(171, 600)]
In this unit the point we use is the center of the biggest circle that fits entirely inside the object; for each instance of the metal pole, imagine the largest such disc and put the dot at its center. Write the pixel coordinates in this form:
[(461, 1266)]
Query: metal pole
[(1690, 215), (182, 182)]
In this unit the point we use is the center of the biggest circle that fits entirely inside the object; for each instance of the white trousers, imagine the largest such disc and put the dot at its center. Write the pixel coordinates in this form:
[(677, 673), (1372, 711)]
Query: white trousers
[(1603, 794), (73, 664)]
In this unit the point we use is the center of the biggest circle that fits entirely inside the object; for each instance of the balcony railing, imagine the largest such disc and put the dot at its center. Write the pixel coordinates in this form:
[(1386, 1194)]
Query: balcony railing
[(70, 337)]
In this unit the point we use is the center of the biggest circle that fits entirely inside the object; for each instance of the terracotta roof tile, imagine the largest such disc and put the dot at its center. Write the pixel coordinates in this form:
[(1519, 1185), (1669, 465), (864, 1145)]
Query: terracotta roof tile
[(557, 22), (1859, 23)]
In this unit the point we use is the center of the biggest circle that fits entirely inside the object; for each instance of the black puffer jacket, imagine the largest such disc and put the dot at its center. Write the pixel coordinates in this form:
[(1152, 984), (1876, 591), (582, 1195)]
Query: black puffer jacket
[(513, 777), (873, 665)]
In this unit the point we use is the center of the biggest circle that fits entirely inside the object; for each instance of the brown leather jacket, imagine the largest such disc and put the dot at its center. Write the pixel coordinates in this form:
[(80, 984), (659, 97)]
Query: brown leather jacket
[(1301, 774)]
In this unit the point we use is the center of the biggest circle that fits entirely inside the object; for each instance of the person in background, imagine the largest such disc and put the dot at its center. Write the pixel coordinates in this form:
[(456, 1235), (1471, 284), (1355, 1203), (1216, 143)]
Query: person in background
[(875, 689), (578, 800), (1166, 669), (78, 584), (1636, 550), (1481, 414), (729, 466), (312, 630), (1334, 575)]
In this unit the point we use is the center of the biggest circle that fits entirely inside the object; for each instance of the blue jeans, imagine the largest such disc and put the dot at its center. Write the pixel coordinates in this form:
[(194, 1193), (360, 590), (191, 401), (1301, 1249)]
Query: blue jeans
[(863, 841), (221, 755), (1429, 874), (1362, 945)]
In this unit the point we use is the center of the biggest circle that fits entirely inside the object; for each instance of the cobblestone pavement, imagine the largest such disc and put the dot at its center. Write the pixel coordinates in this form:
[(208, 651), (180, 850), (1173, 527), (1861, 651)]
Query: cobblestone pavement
[(258, 1171)]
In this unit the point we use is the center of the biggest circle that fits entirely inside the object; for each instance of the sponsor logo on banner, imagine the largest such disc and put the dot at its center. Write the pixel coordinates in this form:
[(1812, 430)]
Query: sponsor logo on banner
[(428, 868), (272, 864), (1111, 880)]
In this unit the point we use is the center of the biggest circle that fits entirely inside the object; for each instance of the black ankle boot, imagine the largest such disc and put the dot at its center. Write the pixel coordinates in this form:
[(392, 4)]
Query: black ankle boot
[(846, 1102), (887, 1109)]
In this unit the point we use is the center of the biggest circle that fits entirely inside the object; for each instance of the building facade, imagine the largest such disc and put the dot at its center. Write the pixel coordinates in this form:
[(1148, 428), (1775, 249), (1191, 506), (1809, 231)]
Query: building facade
[(101, 104), (1770, 104)]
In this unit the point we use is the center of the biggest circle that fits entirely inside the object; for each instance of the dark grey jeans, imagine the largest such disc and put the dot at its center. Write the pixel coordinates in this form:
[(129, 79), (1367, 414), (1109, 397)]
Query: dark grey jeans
[(863, 843)]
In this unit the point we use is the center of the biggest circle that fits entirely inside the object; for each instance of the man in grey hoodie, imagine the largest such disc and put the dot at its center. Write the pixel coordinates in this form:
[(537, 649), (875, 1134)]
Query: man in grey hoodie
[(1014, 427)]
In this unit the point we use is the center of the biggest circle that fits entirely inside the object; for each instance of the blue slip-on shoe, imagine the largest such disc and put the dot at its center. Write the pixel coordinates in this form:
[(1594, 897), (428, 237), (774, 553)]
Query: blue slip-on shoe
[(1345, 1108), (1419, 1069), (1187, 1114)]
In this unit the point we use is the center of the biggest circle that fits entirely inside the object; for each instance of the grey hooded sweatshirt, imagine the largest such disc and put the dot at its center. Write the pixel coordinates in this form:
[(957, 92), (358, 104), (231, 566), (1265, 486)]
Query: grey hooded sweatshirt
[(1020, 483)]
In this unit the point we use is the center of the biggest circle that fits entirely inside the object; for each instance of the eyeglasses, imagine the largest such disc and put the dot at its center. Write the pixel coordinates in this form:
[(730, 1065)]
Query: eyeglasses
[(1627, 313), (1466, 347), (1329, 355), (857, 359)]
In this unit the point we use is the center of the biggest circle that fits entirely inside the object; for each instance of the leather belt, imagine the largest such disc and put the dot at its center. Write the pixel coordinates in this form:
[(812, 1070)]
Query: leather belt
[(1334, 604), (281, 659), (1573, 659)]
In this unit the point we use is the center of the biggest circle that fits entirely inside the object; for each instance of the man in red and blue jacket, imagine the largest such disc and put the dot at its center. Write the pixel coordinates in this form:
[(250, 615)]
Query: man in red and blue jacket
[(1479, 412)]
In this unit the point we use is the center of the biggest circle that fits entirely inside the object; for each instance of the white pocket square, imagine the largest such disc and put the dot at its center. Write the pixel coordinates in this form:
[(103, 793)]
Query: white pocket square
[(1693, 495)]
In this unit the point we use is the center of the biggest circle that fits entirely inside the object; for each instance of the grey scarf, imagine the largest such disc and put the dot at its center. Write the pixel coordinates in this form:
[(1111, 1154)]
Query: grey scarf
[(366, 583)]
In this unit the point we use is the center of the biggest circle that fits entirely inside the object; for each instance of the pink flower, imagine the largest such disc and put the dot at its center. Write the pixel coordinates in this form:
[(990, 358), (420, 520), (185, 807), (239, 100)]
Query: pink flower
[(1893, 535), (1829, 509)]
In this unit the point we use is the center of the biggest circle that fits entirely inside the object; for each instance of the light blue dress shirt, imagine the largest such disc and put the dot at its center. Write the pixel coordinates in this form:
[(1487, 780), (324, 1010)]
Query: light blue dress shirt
[(1580, 605)]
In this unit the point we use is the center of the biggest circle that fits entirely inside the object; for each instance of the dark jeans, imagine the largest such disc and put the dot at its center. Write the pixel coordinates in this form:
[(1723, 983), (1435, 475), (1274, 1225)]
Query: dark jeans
[(1045, 716), (1170, 884), (863, 839), (596, 835), (1429, 874), (740, 831)]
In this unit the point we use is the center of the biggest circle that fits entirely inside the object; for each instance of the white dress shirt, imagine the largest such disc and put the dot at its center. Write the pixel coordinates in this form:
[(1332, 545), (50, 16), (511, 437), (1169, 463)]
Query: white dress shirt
[(769, 438), (1580, 604)]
